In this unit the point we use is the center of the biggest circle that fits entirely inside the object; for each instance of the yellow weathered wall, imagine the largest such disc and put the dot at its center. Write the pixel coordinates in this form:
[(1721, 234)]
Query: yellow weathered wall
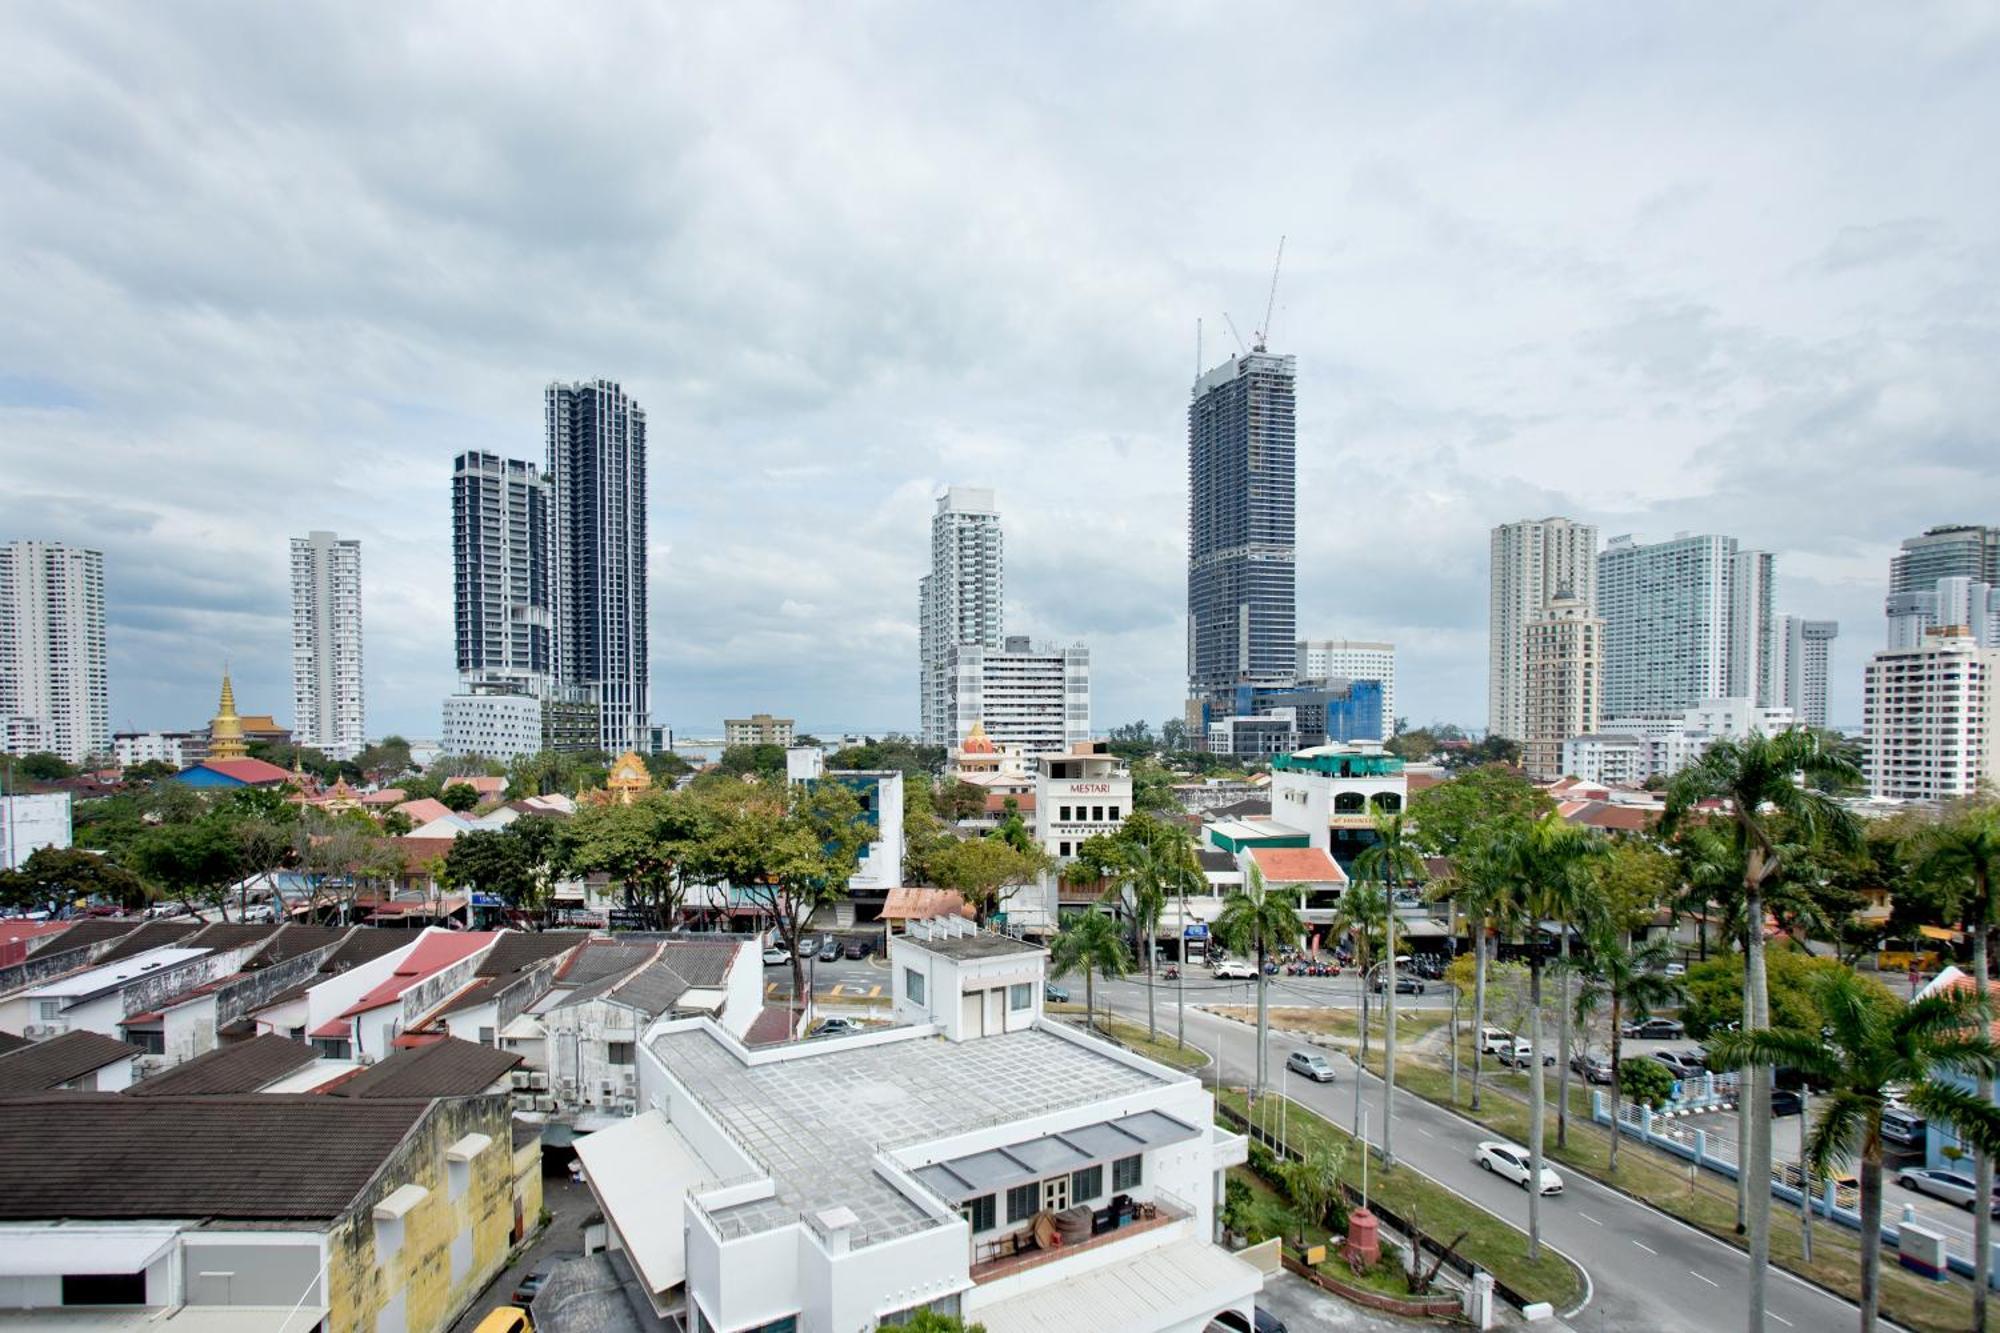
[(528, 1181), (360, 1287)]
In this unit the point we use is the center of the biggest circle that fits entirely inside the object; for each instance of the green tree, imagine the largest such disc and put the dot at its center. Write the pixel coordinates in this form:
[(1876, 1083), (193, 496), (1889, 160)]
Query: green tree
[(763, 761), (1153, 789), (1649, 1082), (386, 758), (1393, 862), (985, 871), (643, 847), (955, 800), (1088, 942), (54, 875), (1631, 979), (150, 770), (1466, 809), (193, 863), (41, 766), (1363, 915), (1479, 882), (1313, 1181), (1872, 1048), (491, 861), (1760, 780), (1962, 854), (459, 796), (1255, 920), (930, 1321)]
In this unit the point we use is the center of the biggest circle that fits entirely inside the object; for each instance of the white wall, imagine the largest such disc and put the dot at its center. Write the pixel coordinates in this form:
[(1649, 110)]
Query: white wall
[(29, 823), (329, 998), (743, 989)]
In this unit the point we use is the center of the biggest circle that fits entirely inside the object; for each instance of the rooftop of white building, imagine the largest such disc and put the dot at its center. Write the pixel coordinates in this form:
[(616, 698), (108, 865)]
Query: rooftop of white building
[(815, 1122), (112, 976)]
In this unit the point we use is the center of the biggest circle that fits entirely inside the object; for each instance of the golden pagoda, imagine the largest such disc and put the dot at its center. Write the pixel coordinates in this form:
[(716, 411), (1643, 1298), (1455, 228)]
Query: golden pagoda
[(628, 779), (225, 730)]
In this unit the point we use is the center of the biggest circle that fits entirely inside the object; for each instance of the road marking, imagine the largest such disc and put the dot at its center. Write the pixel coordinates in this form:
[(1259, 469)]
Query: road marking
[(874, 991), (1425, 1132), (1647, 1248), (1588, 1218), (1709, 1280), (1780, 1318), (835, 990)]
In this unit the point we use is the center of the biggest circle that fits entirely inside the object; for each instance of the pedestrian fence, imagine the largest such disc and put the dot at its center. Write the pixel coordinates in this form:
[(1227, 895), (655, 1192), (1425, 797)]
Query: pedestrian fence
[(1832, 1199)]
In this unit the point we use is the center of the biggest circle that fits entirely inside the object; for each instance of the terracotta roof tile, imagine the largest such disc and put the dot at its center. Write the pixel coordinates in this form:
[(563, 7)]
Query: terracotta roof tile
[(1297, 865), (42, 1065), (242, 1067), (447, 1068)]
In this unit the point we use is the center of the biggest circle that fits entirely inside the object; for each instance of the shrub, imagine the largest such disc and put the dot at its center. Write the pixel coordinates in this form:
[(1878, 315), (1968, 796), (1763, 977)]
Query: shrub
[(1646, 1081)]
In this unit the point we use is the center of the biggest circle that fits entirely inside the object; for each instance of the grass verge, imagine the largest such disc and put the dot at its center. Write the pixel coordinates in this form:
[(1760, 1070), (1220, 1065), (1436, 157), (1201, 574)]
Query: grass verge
[(1271, 1215), (1704, 1199), (1490, 1242), (1410, 1024)]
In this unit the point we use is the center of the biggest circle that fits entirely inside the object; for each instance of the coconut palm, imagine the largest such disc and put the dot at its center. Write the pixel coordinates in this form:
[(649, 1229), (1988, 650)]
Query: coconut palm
[(1550, 862), (1759, 781), (1364, 913), (1870, 1044), (1089, 941), (1256, 920), (1631, 980), (1391, 861), (1147, 872), (1486, 893), (1963, 853)]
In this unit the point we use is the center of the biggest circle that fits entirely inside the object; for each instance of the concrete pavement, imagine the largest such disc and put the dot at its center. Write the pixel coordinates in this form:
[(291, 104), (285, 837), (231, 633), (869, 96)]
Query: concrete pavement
[(1647, 1270)]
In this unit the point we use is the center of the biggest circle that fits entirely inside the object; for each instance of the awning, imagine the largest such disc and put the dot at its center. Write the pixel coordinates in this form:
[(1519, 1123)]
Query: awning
[(1425, 929), (1940, 933), (968, 1177), (1176, 1285), (641, 1170), (51, 1251)]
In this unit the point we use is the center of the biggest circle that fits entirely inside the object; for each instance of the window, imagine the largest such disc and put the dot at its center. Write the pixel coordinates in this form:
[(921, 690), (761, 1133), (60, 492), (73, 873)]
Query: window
[(979, 1213), (1062, 813), (1114, 814), (913, 985), (333, 1048), (486, 1036), (1126, 1172), (104, 1289), (1097, 814), (1020, 996), (618, 1052), (51, 1010), (152, 1043), (1063, 849), (1086, 1184), (1022, 1202)]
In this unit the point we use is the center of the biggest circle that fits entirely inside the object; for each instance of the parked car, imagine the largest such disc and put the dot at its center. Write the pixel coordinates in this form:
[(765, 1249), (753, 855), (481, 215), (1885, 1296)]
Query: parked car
[(1595, 1066), (1902, 1127), (1951, 1186), (1054, 994), (829, 949), (1231, 1322), (1231, 969), (808, 946), (1522, 1053), (776, 956), (1677, 969), (1404, 985), (1510, 1160), (836, 1027), (1786, 1101), (1492, 1041), (1310, 1064), (505, 1319), (1667, 1028), (857, 948), (530, 1285)]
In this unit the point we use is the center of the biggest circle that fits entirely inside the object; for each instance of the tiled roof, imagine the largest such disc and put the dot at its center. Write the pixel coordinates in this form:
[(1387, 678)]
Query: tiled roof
[(772, 1024), (416, 851), (253, 772), (1216, 860), (146, 935), (1247, 808), (424, 810), (702, 962), (434, 952), (42, 1065), (292, 940), (229, 935), (248, 1156), (519, 950), (1297, 865), (10, 1043), (90, 931), (448, 1068), (601, 959), (386, 796), (243, 1067), (1604, 815)]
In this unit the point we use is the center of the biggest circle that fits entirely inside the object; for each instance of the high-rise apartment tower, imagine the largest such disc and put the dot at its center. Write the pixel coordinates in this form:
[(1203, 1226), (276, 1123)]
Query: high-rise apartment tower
[(326, 645), (959, 603), (503, 571), (597, 460), (1685, 620), (54, 694), (1534, 561)]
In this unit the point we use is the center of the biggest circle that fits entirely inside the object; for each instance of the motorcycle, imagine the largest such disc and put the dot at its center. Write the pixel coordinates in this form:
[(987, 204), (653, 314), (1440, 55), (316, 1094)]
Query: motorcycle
[(1172, 973)]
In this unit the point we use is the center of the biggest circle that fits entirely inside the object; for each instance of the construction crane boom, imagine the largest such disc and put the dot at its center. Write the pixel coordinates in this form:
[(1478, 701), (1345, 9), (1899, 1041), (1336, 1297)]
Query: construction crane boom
[(1234, 334), (1264, 333)]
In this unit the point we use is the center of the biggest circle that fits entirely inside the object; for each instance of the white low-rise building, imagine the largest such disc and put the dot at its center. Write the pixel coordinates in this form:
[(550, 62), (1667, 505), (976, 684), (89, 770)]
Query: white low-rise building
[(1334, 793), (846, 1183), (160, 747), (1672, 743), (31, 822)]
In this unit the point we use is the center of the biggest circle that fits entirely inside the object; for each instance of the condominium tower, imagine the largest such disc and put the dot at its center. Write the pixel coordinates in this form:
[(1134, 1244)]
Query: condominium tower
[(503, 571), (597, 458), (1324, 661), (1242, 535), (1684, 621), (326, 645), (1798, 666), (1034, 698), (1534, 561), (53, 684), (1563, 682), (1930, 719), (1948, 576), (959, 603)]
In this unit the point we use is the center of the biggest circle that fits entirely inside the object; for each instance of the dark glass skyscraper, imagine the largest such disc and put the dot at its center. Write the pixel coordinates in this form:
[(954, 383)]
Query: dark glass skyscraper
[(1242, 531), (597, 458)]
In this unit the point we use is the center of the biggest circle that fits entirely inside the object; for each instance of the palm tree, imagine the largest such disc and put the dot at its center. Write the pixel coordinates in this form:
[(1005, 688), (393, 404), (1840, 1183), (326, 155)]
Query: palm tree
[(1182, 876), (1089, 940), (1147, 872), (1483, 889), (1255, 919), (1870, 1044), (1391, 860), (1549, 860), (1632, 980), (1363, 910), (1760, 779), (1965, 850)]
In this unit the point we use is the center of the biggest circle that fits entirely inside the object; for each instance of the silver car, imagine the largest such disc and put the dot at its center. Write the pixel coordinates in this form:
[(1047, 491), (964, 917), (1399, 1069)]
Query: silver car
[(1947, 1185), (1310, 1064)]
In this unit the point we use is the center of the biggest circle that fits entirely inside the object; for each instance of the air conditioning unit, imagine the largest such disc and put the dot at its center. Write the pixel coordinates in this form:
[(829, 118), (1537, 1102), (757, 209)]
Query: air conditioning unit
[(520, 1078), (625, 1107), (545, 1103), (34, 1031), (538, 1079), (630, 1082)]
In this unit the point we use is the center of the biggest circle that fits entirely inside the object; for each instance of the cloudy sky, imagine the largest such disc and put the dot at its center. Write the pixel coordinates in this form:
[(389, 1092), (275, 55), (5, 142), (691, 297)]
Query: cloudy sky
[(1726, 268)]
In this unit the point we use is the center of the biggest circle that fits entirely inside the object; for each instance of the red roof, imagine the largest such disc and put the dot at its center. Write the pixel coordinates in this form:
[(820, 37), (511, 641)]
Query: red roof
[(772, 1025), (423, 811), (1297, 865), (250, 772), (16, 937), (387, 796), (434, 952)]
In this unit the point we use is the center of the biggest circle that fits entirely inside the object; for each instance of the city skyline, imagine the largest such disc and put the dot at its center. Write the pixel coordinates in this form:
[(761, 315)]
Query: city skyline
[(1730, 340)]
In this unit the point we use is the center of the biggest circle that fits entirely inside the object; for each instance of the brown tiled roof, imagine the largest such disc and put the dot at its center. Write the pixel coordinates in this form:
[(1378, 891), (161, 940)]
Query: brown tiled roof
[(254, 1155), (702, 962), (243, 1067), (228, 935), (42, 1065), (652, 990), (519, 950), (10, 1043), (448, 1068), (601, 959), (291, 941), (146, 935), (772, 1024), (1297, 865), (1247, 808)]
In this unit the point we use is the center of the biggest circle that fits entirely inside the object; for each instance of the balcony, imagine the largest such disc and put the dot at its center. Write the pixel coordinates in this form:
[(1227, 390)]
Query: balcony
[(1016, 1251)]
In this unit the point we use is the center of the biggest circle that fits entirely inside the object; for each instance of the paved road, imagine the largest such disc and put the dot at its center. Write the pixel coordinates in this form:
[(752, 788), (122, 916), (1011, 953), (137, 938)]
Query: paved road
[(1648, 1270)]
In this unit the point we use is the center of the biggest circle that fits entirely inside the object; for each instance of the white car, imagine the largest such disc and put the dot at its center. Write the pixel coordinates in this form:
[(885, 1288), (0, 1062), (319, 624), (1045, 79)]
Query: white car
[(1492, 1041), (1947, 1185), (776, 956), (1522, 1054), (1511, 1160), (1230, 969)]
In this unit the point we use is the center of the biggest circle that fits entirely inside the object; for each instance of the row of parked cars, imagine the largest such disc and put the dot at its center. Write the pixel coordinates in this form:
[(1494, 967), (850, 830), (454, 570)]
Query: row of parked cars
[(826, 948)]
